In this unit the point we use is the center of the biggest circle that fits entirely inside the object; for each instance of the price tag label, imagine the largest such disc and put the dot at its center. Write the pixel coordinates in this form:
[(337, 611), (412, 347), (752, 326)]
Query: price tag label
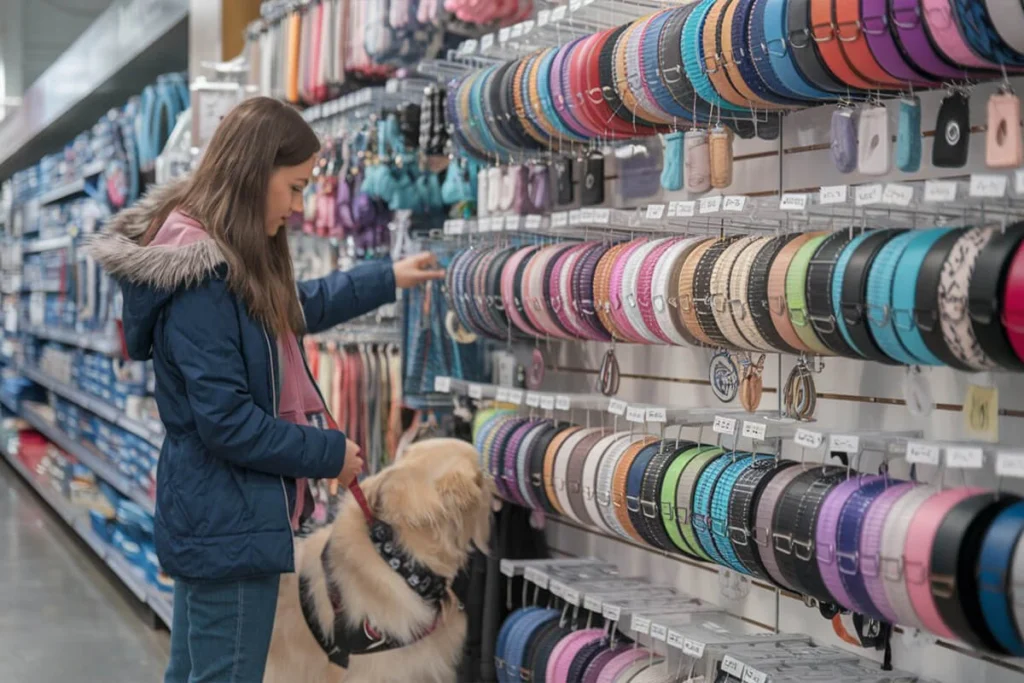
[(483, 224), (693, 648), (922, 453), (981, 413), (754, 430), (442, 385), (724, 425), (656, 415), (571, 596), (515, 396), (939, 191), (965, 458), (733, 666), (988, 185), (532, 399), (754, 676), (844, 443), (501, 395), (655, 212), (586, 216), (455, 227), (557, 588), (511, 223), (805, 438), (641, 625), (611, 612), (504, 34), (673, 209), (558, 14), (711, 204), (575, 217), (1010, 464), (487, 42), (547, 402), (866, 195), (559, 219), (468, 47), (833, 194), (617, 407), (575, 5), (686, 209), (517, 31), (734, 203), (536, 577), (563, 402), (476, 391), (636, 414), (532, 222), (543, 17), (507, 569), (659, 632), (675, 639), (793, 202), (896, 194), (600, 216), (592, 604)]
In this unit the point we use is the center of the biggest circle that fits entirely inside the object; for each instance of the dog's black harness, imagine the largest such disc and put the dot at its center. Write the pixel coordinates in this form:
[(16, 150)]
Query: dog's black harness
[(345, 640)]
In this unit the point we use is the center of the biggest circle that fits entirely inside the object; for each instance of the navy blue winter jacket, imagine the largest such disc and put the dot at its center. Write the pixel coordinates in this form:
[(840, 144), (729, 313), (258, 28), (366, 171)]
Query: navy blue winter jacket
[(227, 469)]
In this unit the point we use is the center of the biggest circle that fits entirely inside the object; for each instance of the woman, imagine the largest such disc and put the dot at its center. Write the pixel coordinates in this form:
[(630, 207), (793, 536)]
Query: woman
[(210, 296)]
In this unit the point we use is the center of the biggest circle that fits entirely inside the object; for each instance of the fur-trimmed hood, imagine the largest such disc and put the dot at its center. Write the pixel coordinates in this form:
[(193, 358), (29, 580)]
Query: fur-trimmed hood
[(164, 267)]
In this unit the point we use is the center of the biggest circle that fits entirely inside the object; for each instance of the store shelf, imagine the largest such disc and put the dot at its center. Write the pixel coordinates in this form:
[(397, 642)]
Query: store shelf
[(45, 244), (78, 520), (92, 403), (87, 457), (91, 341), (72, 188)]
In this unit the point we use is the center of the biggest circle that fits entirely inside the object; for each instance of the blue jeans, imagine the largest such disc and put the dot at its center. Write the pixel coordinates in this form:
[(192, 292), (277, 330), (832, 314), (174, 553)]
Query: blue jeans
[(221, 630)]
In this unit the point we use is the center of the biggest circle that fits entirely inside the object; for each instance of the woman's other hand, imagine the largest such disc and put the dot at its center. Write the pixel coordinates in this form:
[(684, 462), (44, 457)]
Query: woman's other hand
[(416, 269)]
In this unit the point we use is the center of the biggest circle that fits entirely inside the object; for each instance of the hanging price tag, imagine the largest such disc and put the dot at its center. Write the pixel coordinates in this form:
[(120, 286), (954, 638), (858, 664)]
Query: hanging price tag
[(733, 666), (793, 202), (988, 185), (611, 612), (754, 430), (843, 443), (639, 624), (965, 458), (501, 395), (515, 396), (939, 191), (476, 391), (865, 195), (805, 438), (487, 42), (636, 414), (675, 639), (543, 17), (532, 399), (711, 204), (659, 632), (559, 219), (922, 453), (600, 216), (563, 402), (442, 385), (617, 407), (693, 648), (656, 415), (754, 676), (981, 413), (547, 402), (686, 209), (734, 203), (833, 194), (655, 212), (1010, 464), (724, 425), (898, 195), (532, 222)]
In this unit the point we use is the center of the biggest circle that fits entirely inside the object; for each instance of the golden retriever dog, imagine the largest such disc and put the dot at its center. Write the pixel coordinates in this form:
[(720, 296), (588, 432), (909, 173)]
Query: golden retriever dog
[(437, 501)]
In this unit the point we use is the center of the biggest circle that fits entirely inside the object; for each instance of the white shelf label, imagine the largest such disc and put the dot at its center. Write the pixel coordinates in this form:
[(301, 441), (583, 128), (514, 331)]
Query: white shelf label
[(487, 42), (656, 415), (501, 395), (611, 612), (733, 666), (559, 13), (511, 223), (686, 209), (711, 204), (563, 402), (503, 34), (557, 588), (965, 458), (693, 648), (659, 632), (617, 407), (586, 216), (515, 396), (636, 414), (865, 195), (673, 209), (793, 202), (1018, 183), (533, 222), (571, 596), (455, 227), (559, 219), (754, 430), (468, 47), (735, 203), (543, 17), (591, 604), (922, 453), (600, 216), (833, 194), (754, 676), (639, 624), (507, 569), (805, 438), (442, 385), (724, 425), (675, 639), (844, 443), (1010, 464), (517, 31), (988, 185), (939, 191), (476, 391), (536, 576), (575, 217), (655, 212), (532, 399), (574, 5), (896, 194), (547, 402)]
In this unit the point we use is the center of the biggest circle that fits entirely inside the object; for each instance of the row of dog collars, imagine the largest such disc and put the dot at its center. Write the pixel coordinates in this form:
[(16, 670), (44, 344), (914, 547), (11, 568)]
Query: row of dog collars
[(698, 641), (943, 560), (718, 60)]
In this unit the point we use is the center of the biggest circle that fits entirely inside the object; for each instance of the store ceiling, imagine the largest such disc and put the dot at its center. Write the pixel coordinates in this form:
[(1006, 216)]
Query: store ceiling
[(49, 27)]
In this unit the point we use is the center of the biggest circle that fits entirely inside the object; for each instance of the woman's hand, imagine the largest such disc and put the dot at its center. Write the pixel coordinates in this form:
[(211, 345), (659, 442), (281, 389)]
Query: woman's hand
[(416, 269), (353, 464)]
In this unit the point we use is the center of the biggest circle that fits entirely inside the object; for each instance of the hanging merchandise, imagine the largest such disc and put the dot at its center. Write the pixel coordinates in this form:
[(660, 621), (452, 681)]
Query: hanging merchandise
[(844, 140), (952, 132), (672, 174), (873, 142), (1004, 146), (908, 136)]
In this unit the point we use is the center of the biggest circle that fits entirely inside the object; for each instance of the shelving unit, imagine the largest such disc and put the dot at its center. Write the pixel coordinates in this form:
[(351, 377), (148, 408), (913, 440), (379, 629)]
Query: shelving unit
[(99, 343), (72, 188)]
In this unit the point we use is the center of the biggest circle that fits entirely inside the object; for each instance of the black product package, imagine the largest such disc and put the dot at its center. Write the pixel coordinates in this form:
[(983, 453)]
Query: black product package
[(592, 192), (952, 132), (562, 167)]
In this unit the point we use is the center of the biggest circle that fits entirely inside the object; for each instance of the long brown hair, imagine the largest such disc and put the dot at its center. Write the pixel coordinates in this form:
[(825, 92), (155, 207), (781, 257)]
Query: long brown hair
[(227, 195)]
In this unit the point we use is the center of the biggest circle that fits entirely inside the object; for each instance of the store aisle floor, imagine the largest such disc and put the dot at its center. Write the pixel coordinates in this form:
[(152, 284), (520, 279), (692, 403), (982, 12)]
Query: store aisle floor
[(62, 616)]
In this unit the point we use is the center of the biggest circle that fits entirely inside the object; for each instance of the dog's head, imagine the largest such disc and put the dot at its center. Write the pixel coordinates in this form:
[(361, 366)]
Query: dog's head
[(438, 501)]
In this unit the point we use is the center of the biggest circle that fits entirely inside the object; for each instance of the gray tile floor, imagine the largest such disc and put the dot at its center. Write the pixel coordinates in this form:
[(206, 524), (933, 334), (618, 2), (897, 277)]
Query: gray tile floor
[(63, 617)]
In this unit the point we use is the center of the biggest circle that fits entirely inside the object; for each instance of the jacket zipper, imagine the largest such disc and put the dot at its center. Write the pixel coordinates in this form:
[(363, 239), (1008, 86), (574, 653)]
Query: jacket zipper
[(273, 399)]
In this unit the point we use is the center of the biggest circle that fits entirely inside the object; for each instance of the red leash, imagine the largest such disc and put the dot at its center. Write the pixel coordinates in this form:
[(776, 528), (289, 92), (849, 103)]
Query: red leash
[(357, 493)]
